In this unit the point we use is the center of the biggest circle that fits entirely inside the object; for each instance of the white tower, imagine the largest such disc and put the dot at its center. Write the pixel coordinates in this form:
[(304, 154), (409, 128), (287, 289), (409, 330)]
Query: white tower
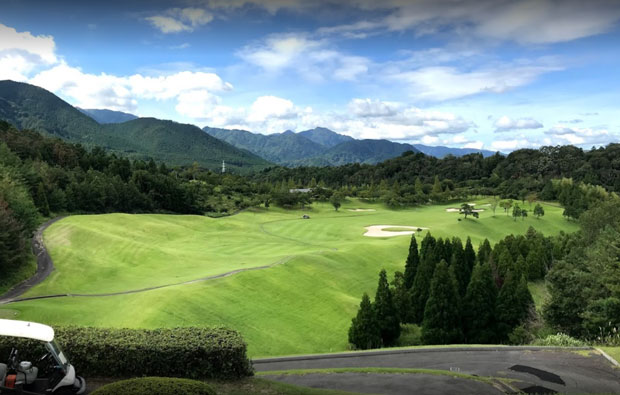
[(223, 167)]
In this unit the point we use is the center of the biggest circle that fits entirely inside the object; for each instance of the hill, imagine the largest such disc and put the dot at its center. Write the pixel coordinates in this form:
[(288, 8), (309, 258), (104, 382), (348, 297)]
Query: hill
[(359, 151), (30, 107), (280, 148), (108, 116)]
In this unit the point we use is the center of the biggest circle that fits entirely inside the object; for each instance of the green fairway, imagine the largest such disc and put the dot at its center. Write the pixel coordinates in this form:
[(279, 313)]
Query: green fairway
[(302, 301)]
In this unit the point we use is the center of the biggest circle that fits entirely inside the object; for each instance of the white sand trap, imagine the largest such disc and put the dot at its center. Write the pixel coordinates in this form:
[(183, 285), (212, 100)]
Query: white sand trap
[(357, 210), (457, 210), (378, 230)]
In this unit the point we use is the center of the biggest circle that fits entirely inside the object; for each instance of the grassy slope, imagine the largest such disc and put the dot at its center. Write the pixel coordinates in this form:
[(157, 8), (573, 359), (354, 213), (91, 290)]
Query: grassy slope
[(302, 306)]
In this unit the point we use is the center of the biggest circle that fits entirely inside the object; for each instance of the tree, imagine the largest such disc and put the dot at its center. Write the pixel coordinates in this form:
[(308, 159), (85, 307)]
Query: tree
[(421, 283), (513, 303), (412, 263), (539, 211), (386, 313), (470, 254), (516, 212), (364, 330), (467, 209), (479, 306), (523, 214), (494, 202), (442, 321), (336, 200), (484, 251), (400, 295), (506, 204)]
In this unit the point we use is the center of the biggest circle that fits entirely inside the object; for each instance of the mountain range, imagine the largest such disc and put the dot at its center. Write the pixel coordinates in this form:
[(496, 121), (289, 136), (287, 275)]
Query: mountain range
[(30, 107)]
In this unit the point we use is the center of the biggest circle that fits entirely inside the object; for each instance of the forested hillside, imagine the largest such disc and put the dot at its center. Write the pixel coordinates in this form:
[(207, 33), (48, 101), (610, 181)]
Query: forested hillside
[(29, 107)]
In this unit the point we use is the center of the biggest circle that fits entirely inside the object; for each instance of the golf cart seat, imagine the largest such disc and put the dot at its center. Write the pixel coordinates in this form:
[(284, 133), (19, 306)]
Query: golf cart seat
[(3, 369)]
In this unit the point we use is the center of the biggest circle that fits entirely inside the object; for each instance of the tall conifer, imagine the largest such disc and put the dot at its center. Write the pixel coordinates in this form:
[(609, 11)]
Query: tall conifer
[(442, 322)]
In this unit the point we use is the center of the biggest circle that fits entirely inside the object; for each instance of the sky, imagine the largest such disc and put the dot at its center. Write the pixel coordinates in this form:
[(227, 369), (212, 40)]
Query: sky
[(492, 74)]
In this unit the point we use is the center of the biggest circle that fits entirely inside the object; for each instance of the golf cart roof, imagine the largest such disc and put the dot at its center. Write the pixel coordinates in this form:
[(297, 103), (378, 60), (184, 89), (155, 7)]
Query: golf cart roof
[(28, 330)]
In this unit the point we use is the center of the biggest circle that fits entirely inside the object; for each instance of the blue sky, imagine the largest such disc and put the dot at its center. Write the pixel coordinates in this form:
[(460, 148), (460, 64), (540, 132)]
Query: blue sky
[(494, 74)]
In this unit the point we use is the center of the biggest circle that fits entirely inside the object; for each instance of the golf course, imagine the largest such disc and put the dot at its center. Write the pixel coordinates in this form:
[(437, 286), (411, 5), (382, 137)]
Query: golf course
[(289, 285)]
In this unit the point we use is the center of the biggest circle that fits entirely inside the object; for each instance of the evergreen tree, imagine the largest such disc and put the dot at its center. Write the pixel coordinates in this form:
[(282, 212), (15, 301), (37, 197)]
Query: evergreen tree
[(400, 295), (520, 267), (364, 330), (513, 303), (536, 263), (484, 252), (442, 322), (437, 190), (479, 306), (539, 211), (504, 261), (386, 313), (461, 270), (470, 255), (412, 263)]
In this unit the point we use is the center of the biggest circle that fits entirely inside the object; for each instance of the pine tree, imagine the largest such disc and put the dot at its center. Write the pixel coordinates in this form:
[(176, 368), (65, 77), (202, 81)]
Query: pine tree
[(470, 255), (364, 330), (479, 306), (386, 313), (400, 295), (421, 283), (442, 322), (535, 263), (484, 251), (520, 268), (512, 305), (412, 263)]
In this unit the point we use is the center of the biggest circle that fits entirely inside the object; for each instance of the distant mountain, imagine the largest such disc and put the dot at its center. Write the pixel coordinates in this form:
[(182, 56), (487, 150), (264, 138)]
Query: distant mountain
[(358, 151), (30, 107), (282, 148), (325, 137), (440, 151), (108, 116)]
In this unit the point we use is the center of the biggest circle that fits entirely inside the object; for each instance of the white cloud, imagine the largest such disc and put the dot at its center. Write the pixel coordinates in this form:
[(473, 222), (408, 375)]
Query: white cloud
[(271, 107), (522, 21), (314, 59), (122, 93), (511, 145), (562, 134), (474, 145), (444, 83), (21, 53), (176, 20), (373, 108), (505, 124), (197, 104)]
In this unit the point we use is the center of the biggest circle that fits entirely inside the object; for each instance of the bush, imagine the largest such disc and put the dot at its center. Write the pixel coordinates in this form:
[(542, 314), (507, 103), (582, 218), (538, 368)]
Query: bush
[(559, 340), (156, 386), (196, 353), (410, 335)]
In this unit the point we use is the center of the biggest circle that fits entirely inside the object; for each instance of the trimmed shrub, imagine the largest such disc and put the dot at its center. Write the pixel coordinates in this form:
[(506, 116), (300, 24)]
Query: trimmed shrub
[(197, 353), (156, 386)]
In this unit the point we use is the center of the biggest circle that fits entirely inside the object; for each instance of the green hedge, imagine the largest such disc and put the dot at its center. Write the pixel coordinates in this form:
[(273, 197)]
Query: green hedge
[(196, 353), (156, 386)]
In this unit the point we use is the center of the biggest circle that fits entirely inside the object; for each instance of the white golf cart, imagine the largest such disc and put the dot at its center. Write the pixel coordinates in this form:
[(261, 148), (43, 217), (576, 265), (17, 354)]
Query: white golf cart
[(22, 377)]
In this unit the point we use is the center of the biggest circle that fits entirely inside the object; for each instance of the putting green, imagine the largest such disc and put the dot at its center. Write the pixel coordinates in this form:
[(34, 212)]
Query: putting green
[(312, 272)]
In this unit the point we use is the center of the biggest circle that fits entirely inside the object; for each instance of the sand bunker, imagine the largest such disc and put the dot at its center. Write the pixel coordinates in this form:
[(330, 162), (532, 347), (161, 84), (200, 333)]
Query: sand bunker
[(456, 210), (378, 230), (361, 209)]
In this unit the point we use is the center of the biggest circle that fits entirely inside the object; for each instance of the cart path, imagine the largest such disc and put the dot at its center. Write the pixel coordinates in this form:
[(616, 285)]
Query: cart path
[(45, 266), (527, 368)]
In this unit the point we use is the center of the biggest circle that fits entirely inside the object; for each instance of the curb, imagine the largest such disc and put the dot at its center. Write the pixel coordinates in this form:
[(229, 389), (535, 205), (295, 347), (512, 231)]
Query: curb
[(413, 351), (608, 357)]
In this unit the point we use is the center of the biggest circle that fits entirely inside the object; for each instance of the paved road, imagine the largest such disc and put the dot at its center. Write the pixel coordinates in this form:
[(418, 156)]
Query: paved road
[(45, 266), (535, 369)]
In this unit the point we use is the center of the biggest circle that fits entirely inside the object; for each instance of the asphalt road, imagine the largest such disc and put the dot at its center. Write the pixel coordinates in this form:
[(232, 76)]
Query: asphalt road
[(533, 369)]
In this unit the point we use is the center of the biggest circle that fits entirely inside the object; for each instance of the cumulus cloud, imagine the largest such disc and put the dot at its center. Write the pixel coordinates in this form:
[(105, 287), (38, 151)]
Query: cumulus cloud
[(511, 145), (506, 124), (313, 59), (562, 134), (21, 53), (177, 20), (123, 92)]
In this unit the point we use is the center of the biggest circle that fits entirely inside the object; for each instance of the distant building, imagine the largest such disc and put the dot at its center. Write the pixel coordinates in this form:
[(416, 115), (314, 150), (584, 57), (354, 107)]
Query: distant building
[(300, 190)]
